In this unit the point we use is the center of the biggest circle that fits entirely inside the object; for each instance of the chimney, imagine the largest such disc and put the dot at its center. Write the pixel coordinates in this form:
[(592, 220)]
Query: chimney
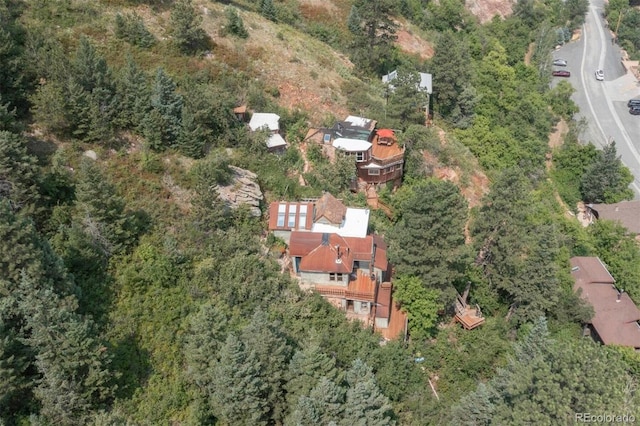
[(338, 258), (619, 295)]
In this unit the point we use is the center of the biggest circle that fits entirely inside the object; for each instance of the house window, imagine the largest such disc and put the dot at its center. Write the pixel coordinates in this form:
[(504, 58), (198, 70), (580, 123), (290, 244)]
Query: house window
[(281, 210), (390, 169), (364, 306), (335, 277), (360, 157), (374, 172), (292, 216), (302, 219)]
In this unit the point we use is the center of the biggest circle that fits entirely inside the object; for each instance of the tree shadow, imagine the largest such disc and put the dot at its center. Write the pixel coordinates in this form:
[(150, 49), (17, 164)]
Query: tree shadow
[(131, 364)]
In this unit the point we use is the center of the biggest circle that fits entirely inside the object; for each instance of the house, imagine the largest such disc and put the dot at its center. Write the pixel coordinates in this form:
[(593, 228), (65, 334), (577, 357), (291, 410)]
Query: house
[(616, 319), (425, 83), (324, 215), (348, 271), (385, 163), (625, 212), (271, 123)]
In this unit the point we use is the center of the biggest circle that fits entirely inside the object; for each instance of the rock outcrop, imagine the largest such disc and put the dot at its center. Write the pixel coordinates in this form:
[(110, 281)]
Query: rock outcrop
[(243, 189)]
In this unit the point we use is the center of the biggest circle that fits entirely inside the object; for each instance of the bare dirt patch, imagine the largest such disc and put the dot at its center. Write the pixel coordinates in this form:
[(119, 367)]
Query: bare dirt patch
[(414, 44), (485, 10)]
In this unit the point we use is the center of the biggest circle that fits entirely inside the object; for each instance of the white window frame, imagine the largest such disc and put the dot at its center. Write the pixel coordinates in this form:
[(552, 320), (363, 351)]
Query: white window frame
[(291, 221), (360, 156), (374, 172), (282, 208)]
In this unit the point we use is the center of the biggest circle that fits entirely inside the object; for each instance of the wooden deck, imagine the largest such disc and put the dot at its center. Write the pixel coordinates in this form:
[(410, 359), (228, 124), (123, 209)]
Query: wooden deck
[(469, 318)]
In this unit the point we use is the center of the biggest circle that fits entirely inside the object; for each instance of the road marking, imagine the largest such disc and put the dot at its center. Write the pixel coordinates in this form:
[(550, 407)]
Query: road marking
[(625, 135)]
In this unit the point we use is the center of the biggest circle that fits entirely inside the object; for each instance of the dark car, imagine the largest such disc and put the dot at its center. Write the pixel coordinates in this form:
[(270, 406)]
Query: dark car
[(561, 73), (634, 110), (633, 102)]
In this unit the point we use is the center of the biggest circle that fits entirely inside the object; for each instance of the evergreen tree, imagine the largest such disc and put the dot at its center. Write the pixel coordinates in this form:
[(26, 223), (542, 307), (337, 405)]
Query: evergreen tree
[(13, 378), (162, 125), (607, 180), (451, 72), (13, 84), (130, 27), (269, 343), (323, 406), (193, 136), (238, 394), (365, 404), (207, 334), (134, 95), (544, 383), (101, 210), (427, 240), (90, 69), (50, 106), (188, 35), (306, 368), (354, 21), (268, 10), (73, 365), (18, 173), (373, 49), (235, 25), (406, 102)]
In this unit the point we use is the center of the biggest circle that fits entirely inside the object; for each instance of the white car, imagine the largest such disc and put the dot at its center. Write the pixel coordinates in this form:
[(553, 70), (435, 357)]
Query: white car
[(599, 75)]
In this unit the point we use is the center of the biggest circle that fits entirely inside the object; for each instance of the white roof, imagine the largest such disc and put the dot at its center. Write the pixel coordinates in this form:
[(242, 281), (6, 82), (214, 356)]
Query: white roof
[(358, 121), (425, 82), (275, 141), (264, 119), (356, 223), (351, 145)]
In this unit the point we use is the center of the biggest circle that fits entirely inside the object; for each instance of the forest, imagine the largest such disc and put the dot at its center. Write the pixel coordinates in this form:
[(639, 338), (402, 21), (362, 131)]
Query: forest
[(132, 294)]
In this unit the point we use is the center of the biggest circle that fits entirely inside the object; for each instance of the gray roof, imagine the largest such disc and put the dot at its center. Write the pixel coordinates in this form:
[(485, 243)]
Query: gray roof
[(625, 212)]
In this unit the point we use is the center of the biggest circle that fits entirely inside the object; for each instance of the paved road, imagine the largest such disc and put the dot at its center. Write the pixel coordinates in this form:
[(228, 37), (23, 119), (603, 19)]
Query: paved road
[(603, 104)]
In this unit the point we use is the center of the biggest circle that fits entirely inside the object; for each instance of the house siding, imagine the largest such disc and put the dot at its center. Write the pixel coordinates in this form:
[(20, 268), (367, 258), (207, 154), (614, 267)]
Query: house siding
[(322, 278)]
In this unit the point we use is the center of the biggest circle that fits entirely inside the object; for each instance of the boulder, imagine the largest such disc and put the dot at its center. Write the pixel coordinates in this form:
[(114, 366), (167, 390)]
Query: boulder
[(242, 189)]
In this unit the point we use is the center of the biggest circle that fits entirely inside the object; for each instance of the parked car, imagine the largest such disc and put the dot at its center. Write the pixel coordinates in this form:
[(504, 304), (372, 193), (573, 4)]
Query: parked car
[(561, 73), (560, 62), (634, 110), (633, 102), (599, 75)]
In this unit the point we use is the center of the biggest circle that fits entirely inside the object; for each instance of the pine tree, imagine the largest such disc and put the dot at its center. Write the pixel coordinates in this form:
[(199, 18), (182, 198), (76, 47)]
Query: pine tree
[(306, 368), (185, 28), (238, 394), (162, 125), (269, 343), (268, 10), (13, 378), (18, 173), (101, 210), (235, 25), (365, 404), (428, 239), (451, 72), (207, 334), (607, 180), (193, 136), (133, 95), (323, 406), (130, 27), (373, 49), (73, 365), (354, 21)]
